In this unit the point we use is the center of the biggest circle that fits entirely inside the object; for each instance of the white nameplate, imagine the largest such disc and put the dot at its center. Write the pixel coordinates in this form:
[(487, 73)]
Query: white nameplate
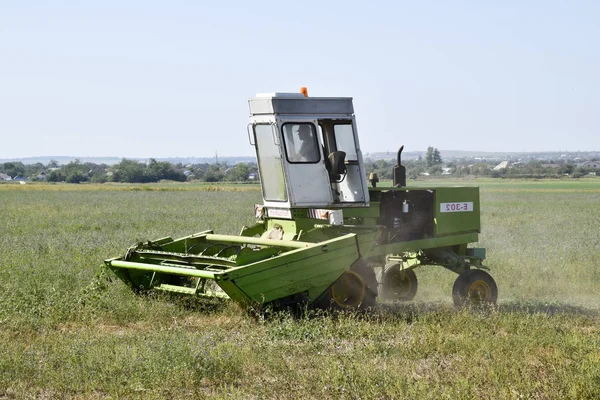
[(279, 213), (456, 207)]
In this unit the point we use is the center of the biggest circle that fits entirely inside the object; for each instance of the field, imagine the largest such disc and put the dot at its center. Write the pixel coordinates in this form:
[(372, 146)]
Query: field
[(68, 331)]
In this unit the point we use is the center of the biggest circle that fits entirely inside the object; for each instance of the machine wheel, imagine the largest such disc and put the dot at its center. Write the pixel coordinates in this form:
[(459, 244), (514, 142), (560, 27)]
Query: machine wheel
[(368, 275), (349, 290), (474, 287), (400, 285), (355, 289)]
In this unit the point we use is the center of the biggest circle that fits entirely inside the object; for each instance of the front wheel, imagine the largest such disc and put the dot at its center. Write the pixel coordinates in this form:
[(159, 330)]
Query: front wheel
[(474, 287), (355, 289), (349, 291), (399, 285)]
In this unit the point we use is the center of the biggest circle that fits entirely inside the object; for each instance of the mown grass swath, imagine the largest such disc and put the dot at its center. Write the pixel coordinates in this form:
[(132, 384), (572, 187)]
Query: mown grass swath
[(69, 331)]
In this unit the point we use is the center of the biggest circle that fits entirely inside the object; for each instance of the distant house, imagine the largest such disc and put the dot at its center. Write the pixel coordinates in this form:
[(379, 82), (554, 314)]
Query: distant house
[(502, 165), (19, 178), (446, 171), (41, 176), (589, 164), (4, 177), (251, 176)]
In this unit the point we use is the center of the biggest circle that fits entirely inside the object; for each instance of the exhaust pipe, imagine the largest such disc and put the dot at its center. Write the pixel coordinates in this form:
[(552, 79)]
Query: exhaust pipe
[(399, 171)]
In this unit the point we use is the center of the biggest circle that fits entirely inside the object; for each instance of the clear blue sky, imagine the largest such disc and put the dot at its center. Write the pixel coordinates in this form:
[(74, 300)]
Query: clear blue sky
[(172, 79)]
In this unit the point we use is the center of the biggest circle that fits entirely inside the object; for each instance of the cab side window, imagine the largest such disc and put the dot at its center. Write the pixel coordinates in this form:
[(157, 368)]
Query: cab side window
[(344, 140), (301, 143)]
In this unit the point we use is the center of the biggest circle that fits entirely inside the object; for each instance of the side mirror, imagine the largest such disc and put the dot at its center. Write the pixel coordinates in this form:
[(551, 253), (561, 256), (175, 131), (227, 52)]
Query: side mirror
[(336, 166)]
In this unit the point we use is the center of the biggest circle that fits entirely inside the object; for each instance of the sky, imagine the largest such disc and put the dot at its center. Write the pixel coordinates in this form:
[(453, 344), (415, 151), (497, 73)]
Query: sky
[(172, 79)]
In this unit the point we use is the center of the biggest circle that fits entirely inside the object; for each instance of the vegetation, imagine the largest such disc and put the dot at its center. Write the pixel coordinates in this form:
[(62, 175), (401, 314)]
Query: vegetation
[(432, 157), (67, 330), (14, 169), (532, 169), (134, 171), (432, 164), (130, 171)]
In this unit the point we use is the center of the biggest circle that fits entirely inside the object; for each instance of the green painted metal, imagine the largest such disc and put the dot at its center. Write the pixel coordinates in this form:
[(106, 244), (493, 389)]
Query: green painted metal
[(432, 243), (115, 263), (454, 222), (406, 260), (254, 270), (262, 242), (297, 268), (476, 252), (296, 271), (299, 255)]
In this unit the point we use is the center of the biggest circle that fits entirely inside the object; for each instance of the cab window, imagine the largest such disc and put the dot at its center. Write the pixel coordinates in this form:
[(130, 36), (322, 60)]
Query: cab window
[(301, 143), (269, 161), (344, 140)]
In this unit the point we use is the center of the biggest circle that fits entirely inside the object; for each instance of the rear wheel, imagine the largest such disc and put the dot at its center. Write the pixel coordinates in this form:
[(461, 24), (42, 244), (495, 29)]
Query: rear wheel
[(399, 285), (474, 287)]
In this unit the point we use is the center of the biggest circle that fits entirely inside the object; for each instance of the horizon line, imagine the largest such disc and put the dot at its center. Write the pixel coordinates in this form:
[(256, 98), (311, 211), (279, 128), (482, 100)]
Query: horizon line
[(254, 156)]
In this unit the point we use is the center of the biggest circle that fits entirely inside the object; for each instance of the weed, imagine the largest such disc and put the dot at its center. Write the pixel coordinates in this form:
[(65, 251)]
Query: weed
[(70, 330)]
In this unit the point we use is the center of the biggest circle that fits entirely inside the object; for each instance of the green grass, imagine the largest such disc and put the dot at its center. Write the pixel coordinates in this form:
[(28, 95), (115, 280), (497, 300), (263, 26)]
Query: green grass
[(146, 187), (68, 332)]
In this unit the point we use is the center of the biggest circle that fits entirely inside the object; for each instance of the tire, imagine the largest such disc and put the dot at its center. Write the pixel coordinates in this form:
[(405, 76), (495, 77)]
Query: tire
[(370, 279), (349, 291), (355, 289), (476, 288), (399, 285)]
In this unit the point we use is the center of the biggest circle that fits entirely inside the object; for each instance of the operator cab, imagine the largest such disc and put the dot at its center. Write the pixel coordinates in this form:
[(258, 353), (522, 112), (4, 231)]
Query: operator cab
[(307, 150)]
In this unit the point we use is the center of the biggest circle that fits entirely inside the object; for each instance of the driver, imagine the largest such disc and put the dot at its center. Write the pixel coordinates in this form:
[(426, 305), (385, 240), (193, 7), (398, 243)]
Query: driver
[(308, 148)]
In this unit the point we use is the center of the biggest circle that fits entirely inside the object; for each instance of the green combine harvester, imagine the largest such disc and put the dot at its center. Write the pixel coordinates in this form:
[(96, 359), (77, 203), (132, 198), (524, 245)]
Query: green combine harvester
[(322, 238)]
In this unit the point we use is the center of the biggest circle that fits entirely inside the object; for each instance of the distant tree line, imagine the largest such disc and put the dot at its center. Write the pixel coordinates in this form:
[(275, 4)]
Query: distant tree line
[(431, 164), (14, 169), (130, 171), (529, 169)]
